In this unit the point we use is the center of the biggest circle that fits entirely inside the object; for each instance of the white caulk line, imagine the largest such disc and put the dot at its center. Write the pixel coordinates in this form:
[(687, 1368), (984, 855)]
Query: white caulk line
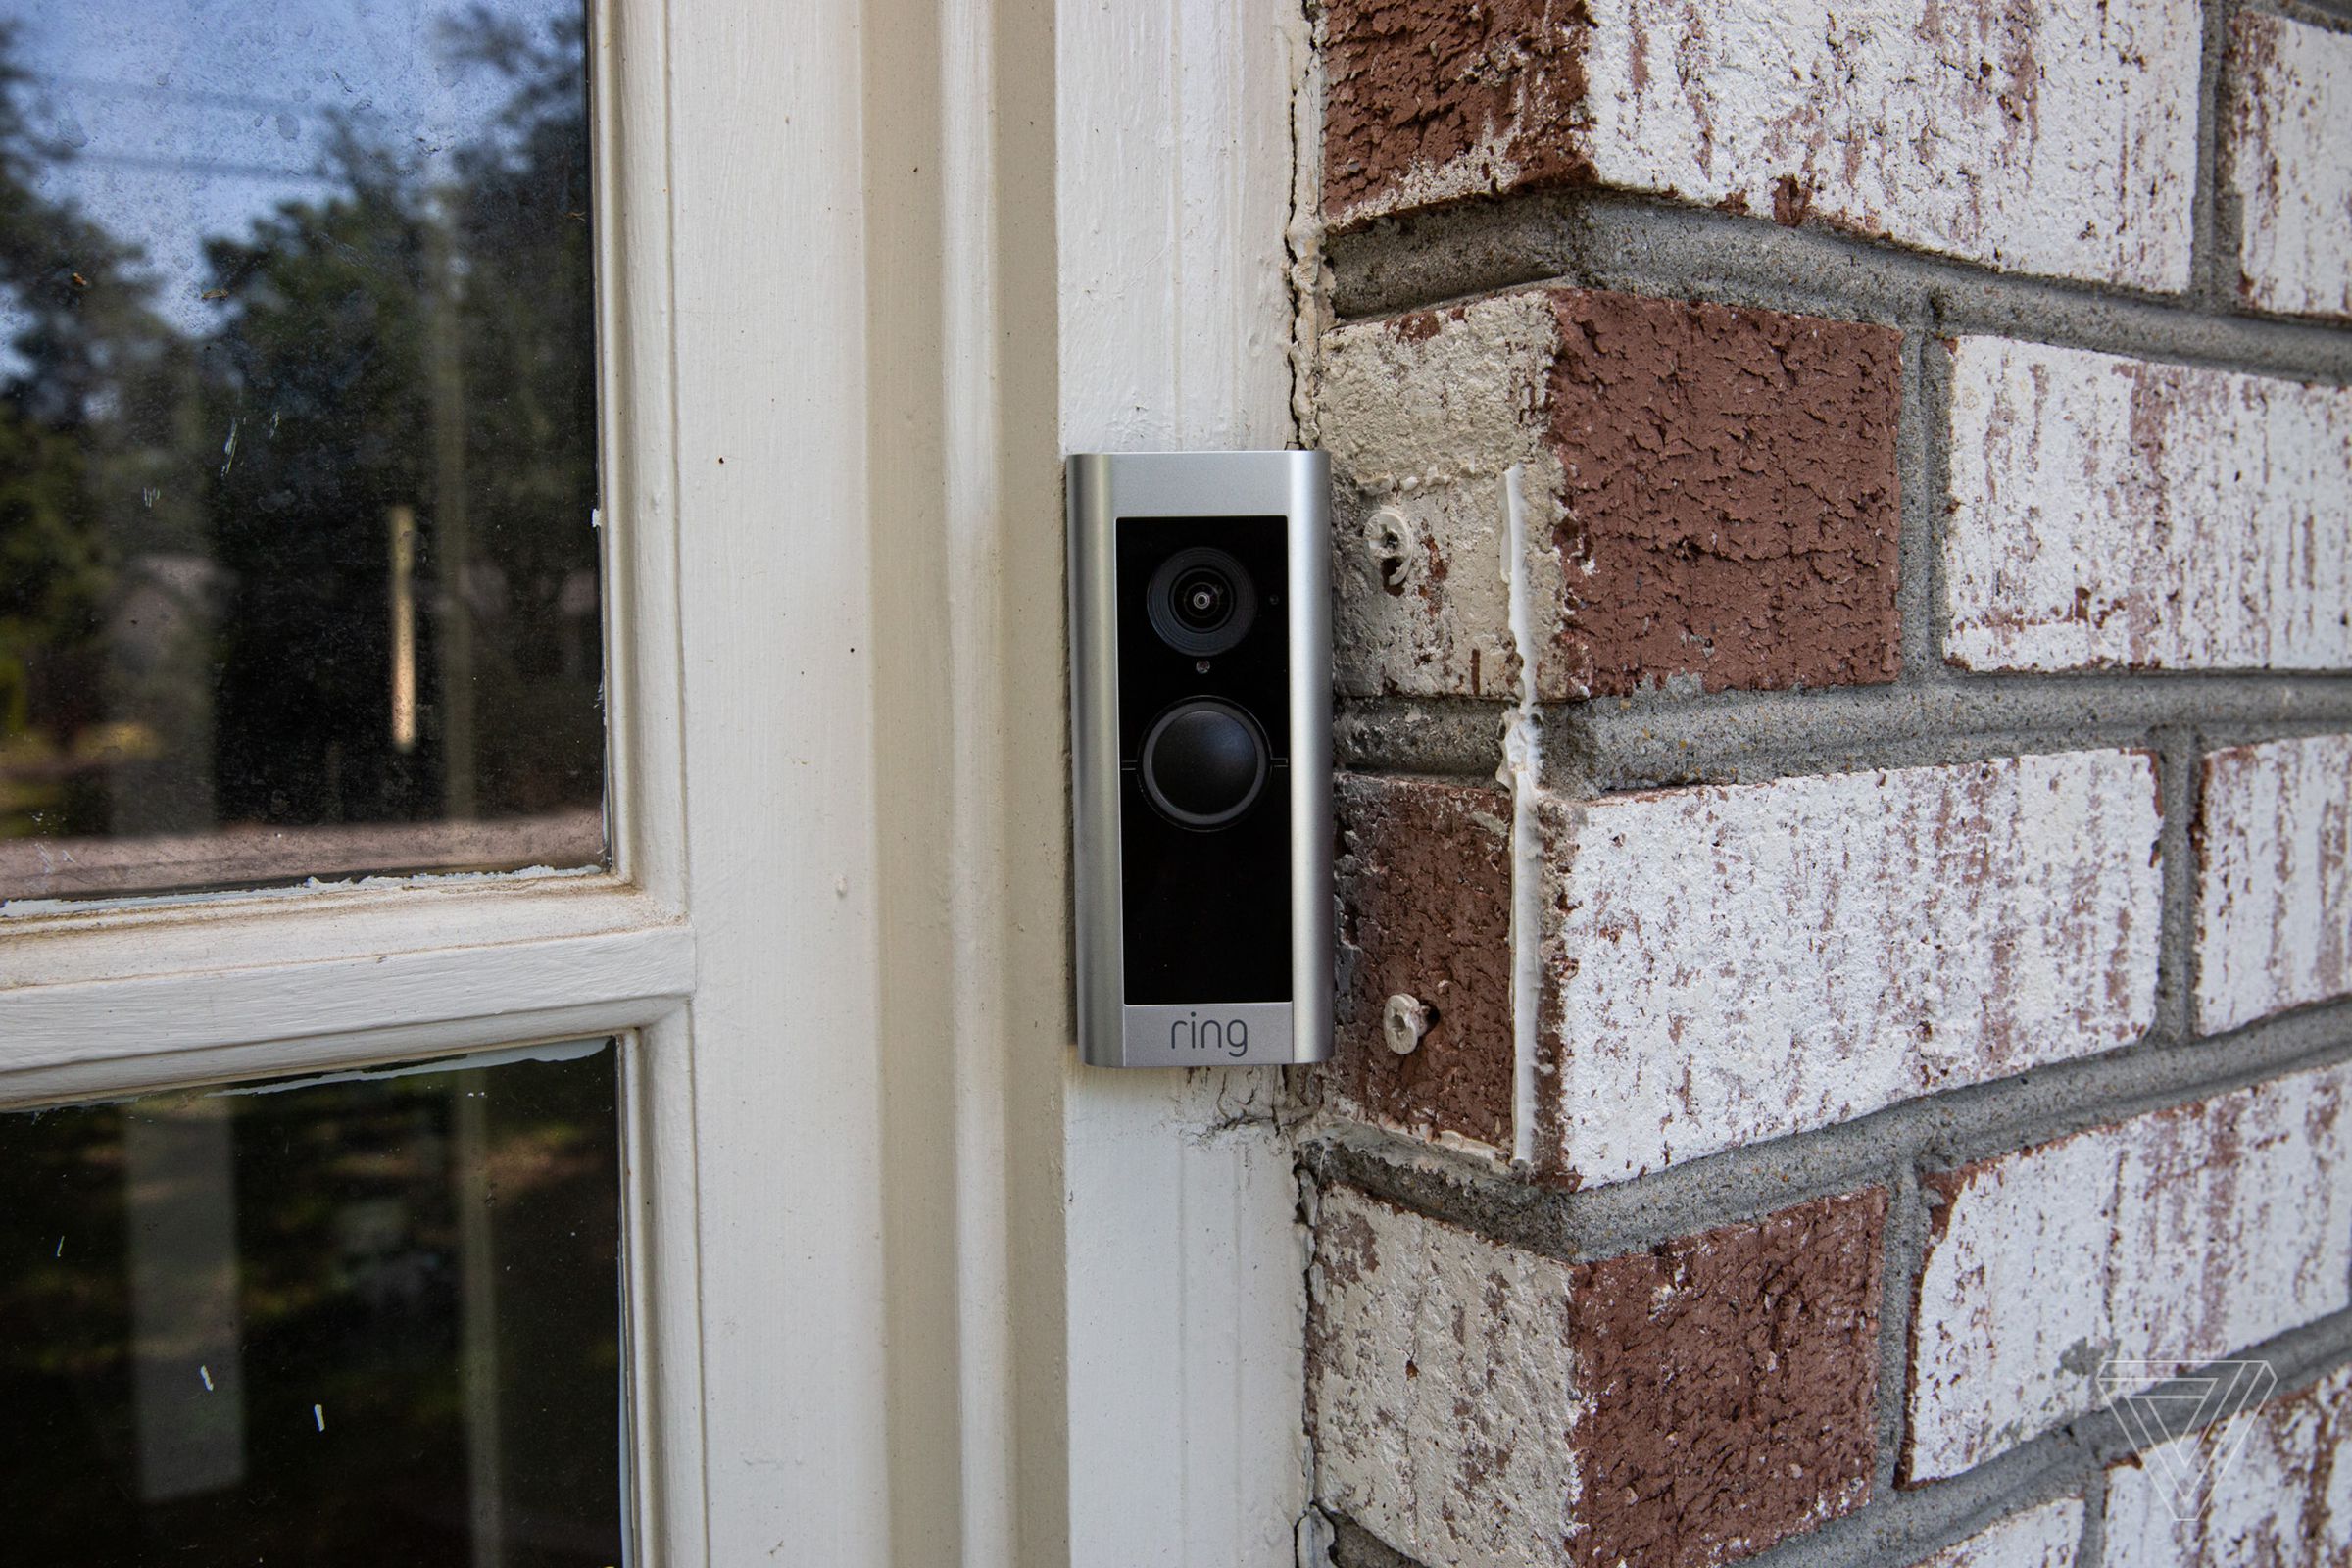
[(1527, 851)]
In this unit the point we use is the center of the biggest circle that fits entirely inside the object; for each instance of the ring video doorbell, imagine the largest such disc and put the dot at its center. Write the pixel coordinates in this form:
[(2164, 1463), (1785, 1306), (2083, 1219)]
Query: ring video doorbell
[(1201, 754)]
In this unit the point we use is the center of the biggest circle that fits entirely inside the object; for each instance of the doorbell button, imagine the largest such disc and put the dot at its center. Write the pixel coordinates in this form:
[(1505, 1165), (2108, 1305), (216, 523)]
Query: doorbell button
[(1203, 764)]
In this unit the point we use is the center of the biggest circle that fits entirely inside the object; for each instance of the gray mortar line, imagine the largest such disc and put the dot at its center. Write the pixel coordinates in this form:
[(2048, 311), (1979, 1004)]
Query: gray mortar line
[(1903, 1253), (1354, 1546), (2072, 1461), (1903, 1526), (1740, 1185), (1919, 640), (1645, 245), (1937, 384), (2090, 1548), (1733, 737), (1460, 737), (2178, 785), (2212, 268), (2333, 15)]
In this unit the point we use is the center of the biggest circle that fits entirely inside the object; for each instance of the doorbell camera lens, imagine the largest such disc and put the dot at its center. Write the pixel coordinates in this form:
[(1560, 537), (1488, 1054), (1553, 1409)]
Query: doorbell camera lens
[(1204, 599), (1200, 601), (1203, 764)]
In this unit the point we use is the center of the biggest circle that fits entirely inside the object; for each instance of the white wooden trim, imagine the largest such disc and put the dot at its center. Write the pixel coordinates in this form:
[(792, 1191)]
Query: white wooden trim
[(769, 302), (971, 778), (661, 1257), (631, 79), (1186, 1273), (645, 773), (905, 1283), (340, 1009)]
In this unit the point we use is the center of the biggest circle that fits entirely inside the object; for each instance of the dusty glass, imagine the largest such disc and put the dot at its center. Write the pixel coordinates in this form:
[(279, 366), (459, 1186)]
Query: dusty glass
[(297, 559), (358, 1320)]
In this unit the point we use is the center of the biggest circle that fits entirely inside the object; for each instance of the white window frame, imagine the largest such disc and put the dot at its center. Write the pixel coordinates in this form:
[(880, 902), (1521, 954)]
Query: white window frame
[(905, 1283)]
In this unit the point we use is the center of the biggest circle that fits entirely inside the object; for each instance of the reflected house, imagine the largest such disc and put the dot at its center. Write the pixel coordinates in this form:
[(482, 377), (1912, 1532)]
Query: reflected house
[(160, 634)]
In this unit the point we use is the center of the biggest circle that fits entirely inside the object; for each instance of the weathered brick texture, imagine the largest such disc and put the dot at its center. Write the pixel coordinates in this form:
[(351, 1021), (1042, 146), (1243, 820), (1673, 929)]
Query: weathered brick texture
[(1742, 961), (1738, 962), (2039, 1537), (2058, 138), (1476, 1405), (2286, 152), (1832, 851), (2108, 511), (1705, 492), (2285, 1502), (2274, 878), (1424, 909), (2188, 1233)]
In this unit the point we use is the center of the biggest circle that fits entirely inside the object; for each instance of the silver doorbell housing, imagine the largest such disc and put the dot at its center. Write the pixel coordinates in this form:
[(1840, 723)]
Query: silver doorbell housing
[(1200, 757)]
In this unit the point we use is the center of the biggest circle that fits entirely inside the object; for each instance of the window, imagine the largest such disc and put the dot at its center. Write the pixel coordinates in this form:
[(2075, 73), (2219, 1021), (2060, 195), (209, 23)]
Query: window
[(361, 1317), (298, 431)]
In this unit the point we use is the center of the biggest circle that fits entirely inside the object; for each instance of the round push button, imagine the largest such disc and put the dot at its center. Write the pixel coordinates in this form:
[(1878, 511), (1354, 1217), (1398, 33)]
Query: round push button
[(1204, 763)]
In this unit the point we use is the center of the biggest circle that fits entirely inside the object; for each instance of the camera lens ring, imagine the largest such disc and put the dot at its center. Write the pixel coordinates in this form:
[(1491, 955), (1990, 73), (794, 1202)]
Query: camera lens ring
[(1217, 714), (1202, 601)]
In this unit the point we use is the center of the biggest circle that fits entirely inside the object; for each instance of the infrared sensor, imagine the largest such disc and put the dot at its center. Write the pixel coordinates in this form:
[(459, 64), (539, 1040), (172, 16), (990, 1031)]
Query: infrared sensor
[(1200, 757)]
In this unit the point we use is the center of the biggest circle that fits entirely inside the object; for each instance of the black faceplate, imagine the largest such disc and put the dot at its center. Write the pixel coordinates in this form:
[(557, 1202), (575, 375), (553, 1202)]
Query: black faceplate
[(1206, 913)]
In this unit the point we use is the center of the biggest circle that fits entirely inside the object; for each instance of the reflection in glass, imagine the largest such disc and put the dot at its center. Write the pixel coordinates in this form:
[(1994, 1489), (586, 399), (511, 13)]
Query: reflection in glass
[(297, 442), (360, 1319)]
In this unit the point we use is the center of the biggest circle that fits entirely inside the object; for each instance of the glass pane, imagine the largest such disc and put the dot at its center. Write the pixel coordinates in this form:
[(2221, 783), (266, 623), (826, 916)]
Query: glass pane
[(298, 562), (356, 1319)]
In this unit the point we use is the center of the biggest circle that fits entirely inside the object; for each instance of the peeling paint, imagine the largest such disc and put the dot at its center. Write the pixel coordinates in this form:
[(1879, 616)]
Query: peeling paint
[(1744, 961), (2055, 139), (2273, 838), (2289, 100), (2117, 511), (2187, 1233)]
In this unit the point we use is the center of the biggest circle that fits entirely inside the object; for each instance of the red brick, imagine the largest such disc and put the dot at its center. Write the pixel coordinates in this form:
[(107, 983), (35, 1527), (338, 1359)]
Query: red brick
[(1478, 1404), (1707, 492), (1424, 910), (1730, 498)]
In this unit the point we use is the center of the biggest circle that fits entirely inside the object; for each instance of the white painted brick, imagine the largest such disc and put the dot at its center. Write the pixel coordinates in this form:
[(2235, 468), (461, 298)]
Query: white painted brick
[(2285, 1499), (1421, 434), (2110, 511), (2274, 879), (2290, 164), (2056, 138), (2039, 1537), (1737, 962), (1442, 1387), (2187, 1234)]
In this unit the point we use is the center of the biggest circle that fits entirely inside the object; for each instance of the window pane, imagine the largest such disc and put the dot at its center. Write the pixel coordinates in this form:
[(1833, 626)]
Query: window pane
[(358, 1320), (298, 561)]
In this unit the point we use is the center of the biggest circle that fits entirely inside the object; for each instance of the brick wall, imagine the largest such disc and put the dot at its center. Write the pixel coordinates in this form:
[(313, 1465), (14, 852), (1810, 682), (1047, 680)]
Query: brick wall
[(1844, 607)]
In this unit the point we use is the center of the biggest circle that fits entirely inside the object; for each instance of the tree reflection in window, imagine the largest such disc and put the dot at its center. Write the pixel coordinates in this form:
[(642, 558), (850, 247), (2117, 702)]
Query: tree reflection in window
[(297, 553)]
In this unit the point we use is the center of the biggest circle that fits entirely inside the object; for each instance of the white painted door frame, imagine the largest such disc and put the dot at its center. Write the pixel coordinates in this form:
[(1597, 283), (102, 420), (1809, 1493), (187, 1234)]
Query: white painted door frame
[(907, 1284)]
